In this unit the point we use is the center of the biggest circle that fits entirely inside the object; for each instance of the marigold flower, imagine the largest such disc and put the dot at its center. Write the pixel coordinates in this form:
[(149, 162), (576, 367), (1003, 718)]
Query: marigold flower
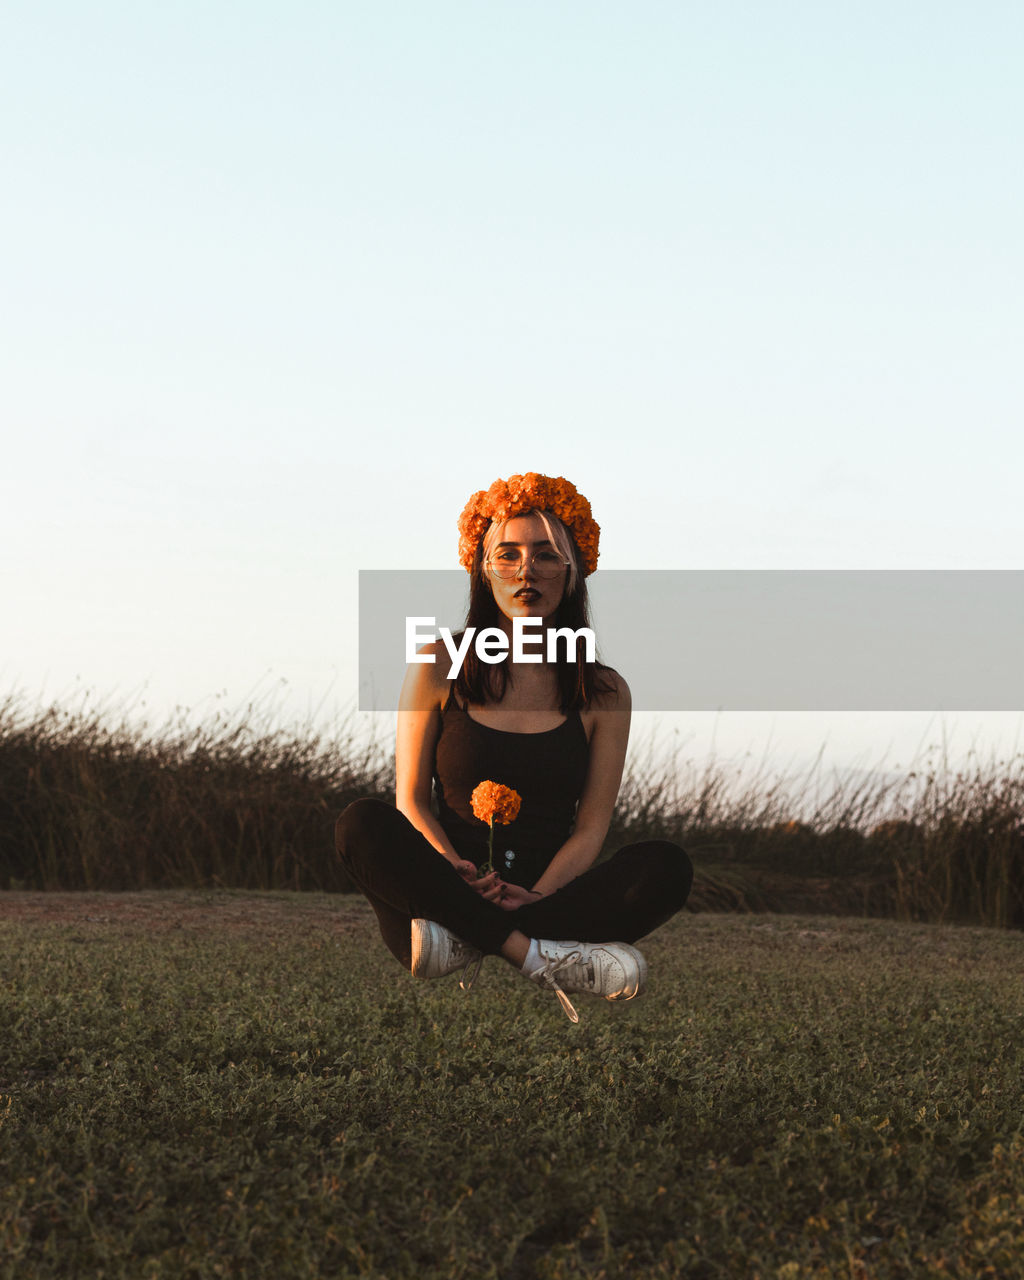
[(532, 491), (492, 802)]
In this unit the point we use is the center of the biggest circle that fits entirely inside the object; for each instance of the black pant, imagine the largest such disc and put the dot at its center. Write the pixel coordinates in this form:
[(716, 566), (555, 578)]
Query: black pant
[(405, 878)]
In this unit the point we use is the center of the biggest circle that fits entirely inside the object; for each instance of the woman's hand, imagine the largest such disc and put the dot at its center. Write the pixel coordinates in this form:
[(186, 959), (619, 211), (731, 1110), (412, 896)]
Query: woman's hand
[(490, 886), (515, 896)]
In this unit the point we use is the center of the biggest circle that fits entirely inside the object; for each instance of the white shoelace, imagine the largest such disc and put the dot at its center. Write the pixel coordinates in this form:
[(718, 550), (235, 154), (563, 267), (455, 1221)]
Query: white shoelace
[(583, 977), (467, 980), (549, 976)]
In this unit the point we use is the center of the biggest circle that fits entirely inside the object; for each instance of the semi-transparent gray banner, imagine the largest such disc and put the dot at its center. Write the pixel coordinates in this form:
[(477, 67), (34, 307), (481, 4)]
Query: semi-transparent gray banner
[(752, 640)]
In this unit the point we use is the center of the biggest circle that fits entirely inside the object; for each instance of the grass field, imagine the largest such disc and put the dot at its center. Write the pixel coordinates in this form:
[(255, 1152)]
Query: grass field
[(246, 1084)]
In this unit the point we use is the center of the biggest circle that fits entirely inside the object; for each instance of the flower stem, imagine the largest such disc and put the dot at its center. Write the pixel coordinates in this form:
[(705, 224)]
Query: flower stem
[(488, 866)]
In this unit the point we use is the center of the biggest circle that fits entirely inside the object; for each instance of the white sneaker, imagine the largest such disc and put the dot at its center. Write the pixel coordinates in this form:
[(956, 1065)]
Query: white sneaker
[(613, 970), (436, 951)]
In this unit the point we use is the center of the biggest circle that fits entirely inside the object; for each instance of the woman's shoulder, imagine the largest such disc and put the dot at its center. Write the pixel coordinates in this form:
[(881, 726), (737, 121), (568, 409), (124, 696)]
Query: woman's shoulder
[(426, 681), (612, 692), (606, 717)]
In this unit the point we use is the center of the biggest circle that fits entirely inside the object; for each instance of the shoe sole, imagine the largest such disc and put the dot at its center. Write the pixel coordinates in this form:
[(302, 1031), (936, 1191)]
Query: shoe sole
[(423, 949), (430, 953), (641, 978)]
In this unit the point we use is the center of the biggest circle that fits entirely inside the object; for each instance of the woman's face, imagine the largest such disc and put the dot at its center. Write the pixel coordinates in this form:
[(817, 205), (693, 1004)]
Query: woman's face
[(526, 595)]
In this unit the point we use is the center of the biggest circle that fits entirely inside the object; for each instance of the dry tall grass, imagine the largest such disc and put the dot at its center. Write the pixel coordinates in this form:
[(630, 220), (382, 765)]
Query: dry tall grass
[(90, 801), (937, 843)]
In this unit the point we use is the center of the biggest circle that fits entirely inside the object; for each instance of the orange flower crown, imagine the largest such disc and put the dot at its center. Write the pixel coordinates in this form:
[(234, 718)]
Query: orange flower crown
[(518, 494)]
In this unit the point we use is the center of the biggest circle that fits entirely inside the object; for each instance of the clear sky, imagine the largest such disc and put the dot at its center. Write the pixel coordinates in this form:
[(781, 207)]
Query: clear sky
[(283, 284)]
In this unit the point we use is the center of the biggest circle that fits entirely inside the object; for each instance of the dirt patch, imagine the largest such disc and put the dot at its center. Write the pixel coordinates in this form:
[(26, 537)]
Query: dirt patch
[(161, 911)]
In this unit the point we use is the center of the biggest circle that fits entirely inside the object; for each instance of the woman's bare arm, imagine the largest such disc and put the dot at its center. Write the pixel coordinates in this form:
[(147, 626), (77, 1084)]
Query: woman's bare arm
[(419, 727)]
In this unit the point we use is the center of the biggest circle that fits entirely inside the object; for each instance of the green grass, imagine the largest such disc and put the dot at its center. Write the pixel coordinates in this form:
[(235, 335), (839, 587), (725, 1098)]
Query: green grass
[(793, 1096)]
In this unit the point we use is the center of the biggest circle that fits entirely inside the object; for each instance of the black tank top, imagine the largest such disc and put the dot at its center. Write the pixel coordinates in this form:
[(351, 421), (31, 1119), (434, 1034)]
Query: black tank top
[(547, 769)]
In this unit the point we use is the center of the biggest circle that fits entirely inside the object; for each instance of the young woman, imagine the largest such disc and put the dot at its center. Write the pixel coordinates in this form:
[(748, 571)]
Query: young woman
[(554, 731)]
